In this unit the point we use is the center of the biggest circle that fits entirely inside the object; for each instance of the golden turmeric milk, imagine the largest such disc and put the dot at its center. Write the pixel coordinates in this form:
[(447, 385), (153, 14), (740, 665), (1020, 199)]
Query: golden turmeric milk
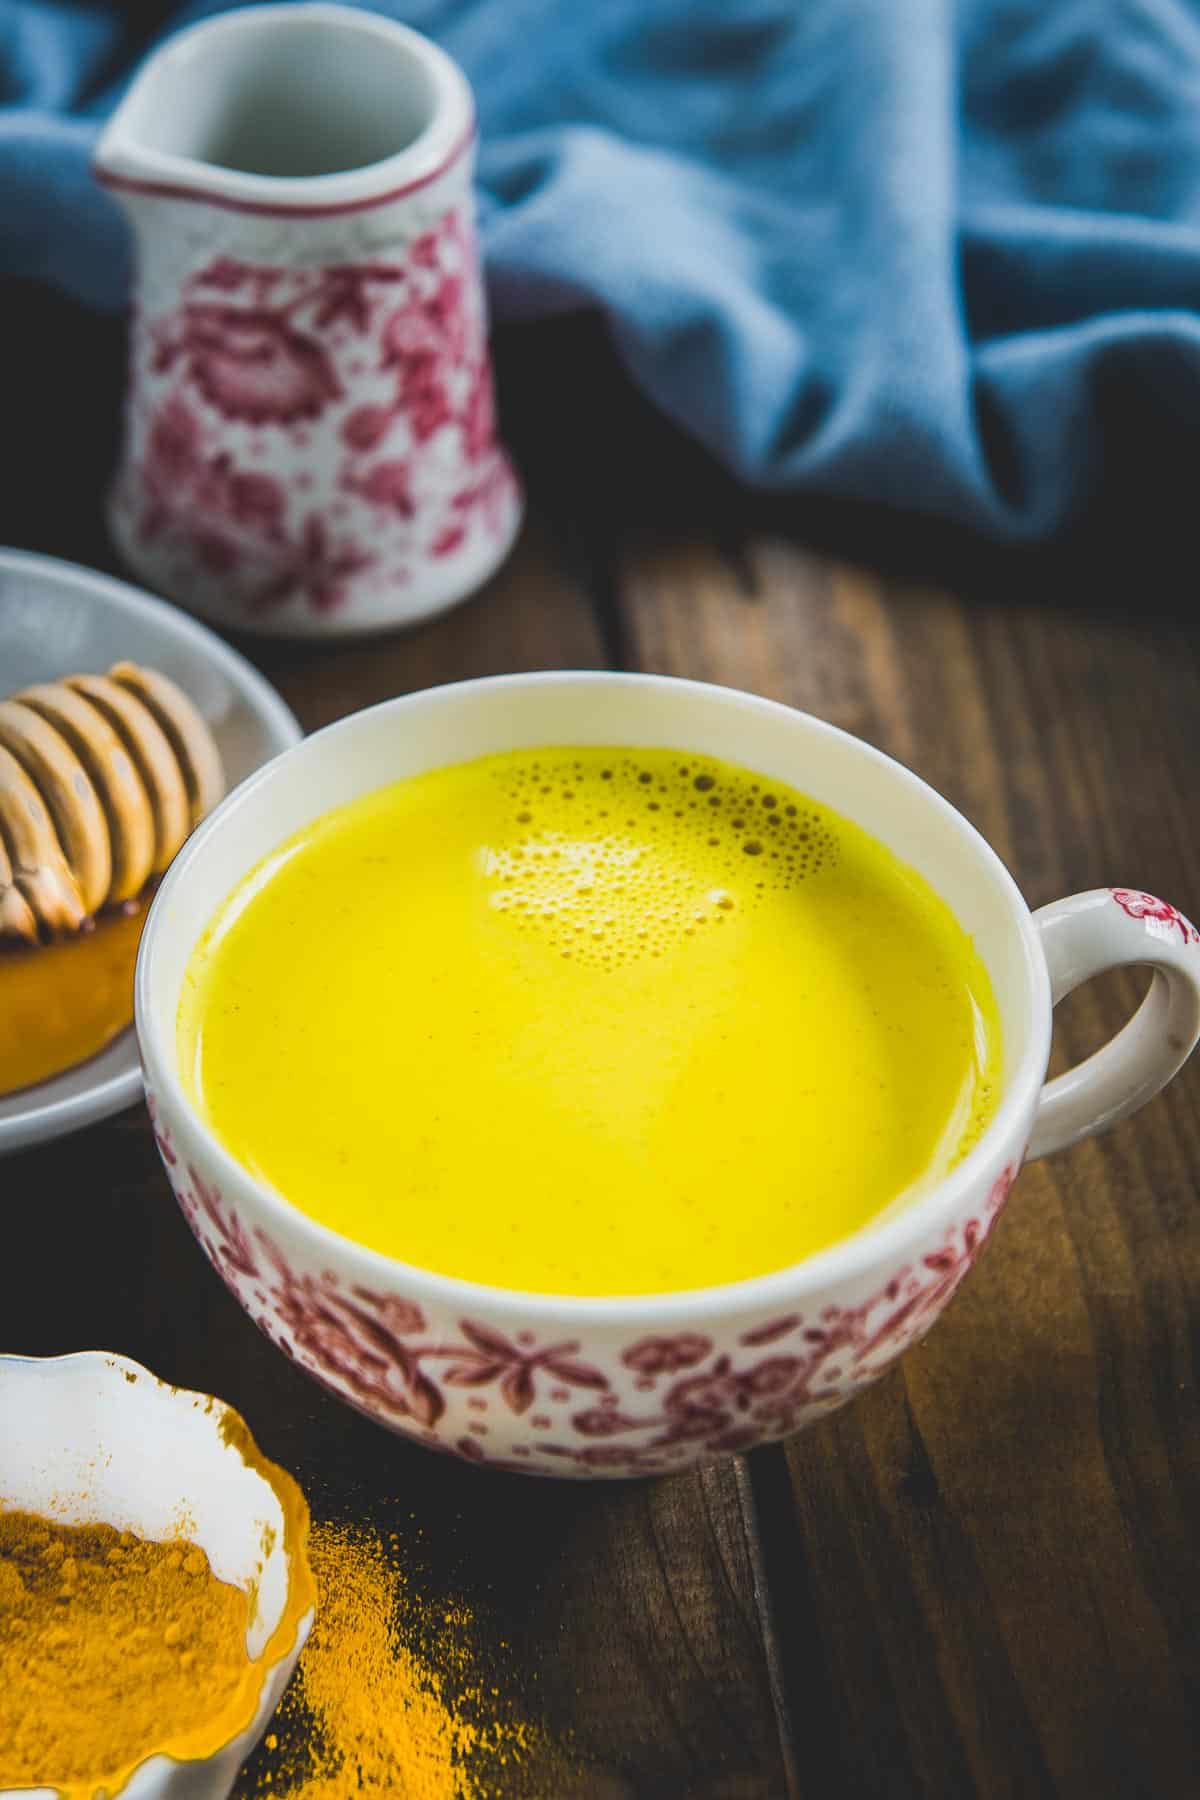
[(590, 1021)]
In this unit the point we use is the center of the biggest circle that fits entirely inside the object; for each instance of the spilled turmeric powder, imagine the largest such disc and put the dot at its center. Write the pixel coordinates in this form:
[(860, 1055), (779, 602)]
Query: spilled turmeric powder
[(111, 1648), (388, 1699)]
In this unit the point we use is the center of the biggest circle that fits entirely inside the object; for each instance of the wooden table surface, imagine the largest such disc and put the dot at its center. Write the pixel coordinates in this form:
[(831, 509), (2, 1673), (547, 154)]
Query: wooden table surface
[(983, 1577)]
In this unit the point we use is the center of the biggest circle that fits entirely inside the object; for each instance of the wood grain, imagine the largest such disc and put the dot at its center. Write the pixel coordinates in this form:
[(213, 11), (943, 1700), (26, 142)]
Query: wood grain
[(986, 1573)]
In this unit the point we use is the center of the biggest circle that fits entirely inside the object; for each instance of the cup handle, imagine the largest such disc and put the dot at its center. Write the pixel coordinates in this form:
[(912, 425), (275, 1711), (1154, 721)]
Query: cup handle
[(1113, 928)]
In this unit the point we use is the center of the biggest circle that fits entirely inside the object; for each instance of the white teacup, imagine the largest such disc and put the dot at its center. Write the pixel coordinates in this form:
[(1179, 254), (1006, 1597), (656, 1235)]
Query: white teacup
[(612, 1387)]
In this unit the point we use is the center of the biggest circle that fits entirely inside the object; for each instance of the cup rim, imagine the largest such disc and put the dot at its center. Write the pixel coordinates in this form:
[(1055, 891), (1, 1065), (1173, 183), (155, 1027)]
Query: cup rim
[(120, 162), (878, 1242)]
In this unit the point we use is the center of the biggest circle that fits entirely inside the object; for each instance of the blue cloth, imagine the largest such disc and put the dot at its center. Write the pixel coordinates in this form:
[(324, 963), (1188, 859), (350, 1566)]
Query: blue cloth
[(912, 252)]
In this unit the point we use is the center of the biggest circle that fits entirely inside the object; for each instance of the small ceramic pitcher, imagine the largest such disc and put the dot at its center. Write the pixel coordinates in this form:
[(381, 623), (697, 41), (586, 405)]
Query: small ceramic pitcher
[(310, 443)]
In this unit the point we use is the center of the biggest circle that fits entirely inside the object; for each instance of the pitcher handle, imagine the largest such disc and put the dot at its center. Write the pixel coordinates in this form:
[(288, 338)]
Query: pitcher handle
[(1114, 928)]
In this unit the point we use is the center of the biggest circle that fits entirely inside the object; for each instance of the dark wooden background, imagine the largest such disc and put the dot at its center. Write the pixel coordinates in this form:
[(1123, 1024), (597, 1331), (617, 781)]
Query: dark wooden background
[(983, 1578)]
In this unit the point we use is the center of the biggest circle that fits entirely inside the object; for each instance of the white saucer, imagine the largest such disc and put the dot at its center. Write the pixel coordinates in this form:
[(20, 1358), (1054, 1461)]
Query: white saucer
[(57, 619)]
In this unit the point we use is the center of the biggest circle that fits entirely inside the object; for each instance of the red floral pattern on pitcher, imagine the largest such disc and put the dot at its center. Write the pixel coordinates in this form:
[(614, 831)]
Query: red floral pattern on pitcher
[(1148, 906), (319, 568), (256, 461), (228, 510), (249, 363)]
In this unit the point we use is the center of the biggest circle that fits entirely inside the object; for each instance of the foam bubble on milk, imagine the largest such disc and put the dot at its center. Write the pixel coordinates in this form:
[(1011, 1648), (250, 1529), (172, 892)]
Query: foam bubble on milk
[(614, 856)]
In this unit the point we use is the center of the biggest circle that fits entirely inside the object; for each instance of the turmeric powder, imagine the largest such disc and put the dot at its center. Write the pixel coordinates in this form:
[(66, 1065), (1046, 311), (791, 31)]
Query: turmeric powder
[(389, 1702), (112, 1648)]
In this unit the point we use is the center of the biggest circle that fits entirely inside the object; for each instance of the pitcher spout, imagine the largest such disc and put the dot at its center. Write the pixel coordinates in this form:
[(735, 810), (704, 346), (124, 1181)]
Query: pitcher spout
[(293, 108)]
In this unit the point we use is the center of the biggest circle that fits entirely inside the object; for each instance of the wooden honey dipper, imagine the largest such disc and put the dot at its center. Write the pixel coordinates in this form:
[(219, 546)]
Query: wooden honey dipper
[(102, 777)]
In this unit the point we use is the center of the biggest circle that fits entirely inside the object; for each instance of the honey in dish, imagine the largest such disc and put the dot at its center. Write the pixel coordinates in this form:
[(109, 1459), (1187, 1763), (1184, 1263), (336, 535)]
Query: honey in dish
[(101, 779), (590, 1021), (63, 1002)]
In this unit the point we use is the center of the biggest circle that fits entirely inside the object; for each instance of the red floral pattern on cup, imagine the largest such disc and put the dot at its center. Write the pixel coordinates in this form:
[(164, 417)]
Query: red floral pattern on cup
[(306, 436), (559, 1403), (1148, 906), (659, 1355)]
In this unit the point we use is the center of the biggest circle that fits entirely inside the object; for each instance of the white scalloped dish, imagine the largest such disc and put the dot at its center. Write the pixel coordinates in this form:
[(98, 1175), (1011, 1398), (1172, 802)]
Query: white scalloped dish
[(94, 1438)]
